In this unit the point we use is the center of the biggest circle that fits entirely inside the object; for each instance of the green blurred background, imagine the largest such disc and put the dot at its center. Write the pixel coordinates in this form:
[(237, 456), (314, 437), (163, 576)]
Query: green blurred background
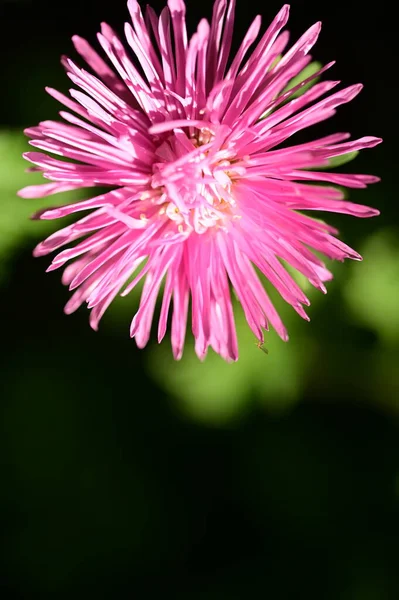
[(127, 475)]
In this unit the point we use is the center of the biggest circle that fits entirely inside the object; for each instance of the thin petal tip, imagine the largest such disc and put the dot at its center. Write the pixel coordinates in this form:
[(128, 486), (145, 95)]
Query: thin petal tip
[(39, 251), (177, 353), (24, 193), (93, 323)]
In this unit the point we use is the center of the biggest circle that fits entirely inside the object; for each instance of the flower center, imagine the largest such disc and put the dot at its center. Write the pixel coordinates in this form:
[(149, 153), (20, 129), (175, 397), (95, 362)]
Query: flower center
[(193, 181)]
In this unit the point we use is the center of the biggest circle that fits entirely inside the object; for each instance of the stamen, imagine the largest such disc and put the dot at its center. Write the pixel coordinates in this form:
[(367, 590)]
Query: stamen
[(195, 189)]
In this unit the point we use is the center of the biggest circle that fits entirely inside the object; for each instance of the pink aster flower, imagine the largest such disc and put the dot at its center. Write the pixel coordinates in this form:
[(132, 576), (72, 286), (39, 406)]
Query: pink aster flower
[(192, 143)]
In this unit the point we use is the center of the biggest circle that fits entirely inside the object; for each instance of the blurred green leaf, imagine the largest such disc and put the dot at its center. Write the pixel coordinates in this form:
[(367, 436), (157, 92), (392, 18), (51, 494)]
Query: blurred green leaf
[(276, 61), (217, 392), (308, 71), (15, 212), (372, 291), (338, 161)]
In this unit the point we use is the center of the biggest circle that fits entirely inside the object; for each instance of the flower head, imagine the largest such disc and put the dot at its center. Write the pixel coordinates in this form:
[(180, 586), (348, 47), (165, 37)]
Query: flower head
[(204, 190)]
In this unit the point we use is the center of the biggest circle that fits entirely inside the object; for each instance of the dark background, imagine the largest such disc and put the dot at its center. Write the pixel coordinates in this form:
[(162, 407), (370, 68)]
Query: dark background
[(127, 475)]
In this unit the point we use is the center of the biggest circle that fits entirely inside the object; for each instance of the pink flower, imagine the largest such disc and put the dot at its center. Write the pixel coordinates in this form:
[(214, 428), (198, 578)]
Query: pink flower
[(203, 186)]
